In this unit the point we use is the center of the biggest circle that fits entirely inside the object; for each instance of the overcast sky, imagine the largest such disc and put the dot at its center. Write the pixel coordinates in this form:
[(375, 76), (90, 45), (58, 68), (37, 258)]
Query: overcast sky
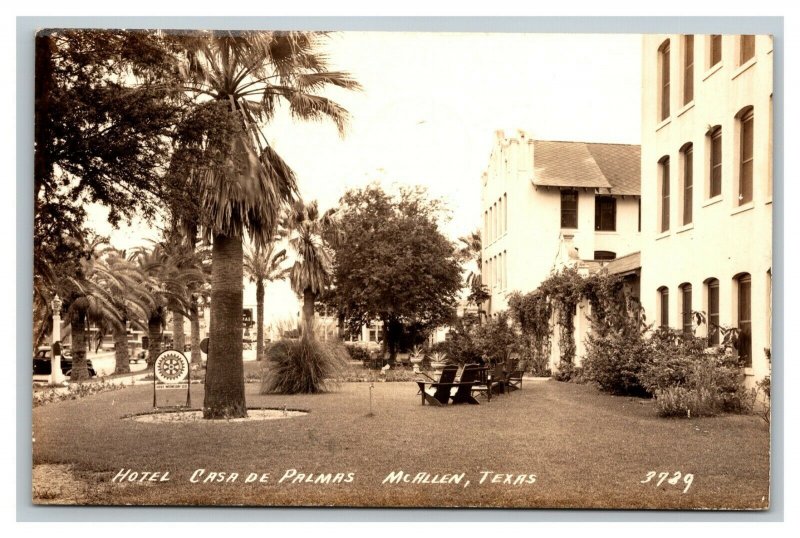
[(429, 108)]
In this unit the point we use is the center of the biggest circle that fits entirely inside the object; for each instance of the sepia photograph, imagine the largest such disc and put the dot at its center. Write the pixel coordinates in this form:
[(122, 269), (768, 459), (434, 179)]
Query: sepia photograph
[(402, 269)]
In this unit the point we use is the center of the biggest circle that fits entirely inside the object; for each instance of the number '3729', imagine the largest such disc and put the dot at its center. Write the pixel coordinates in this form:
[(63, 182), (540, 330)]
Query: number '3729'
[(673, 480)]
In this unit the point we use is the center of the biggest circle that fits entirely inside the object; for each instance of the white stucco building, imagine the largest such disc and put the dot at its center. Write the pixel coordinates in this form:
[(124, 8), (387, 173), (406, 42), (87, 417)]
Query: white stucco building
[(707, 186), (548, 204)]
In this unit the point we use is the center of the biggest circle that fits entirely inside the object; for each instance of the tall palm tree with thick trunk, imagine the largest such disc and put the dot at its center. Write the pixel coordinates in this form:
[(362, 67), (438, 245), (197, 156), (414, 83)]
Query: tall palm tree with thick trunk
[(263, 266), (239, 78), (312, 271)]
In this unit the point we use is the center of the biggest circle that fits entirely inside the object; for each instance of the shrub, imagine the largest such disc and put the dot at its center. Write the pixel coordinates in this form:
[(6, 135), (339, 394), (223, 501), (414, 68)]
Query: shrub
[(615, 361), (710, 380), (678, 401), (302, 366), (357, 353)]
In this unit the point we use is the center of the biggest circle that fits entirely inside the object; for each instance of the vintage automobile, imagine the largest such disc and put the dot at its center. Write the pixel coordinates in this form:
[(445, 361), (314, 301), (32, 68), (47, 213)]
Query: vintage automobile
[(42, 362)]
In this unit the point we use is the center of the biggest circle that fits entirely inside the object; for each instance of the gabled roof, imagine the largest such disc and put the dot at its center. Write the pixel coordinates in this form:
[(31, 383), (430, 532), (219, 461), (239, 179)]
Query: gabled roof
[(615, 167)]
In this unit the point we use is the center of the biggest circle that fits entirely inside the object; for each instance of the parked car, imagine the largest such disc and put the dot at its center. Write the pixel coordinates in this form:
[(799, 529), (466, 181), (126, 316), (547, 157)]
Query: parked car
[(42, 363), (141, 356)]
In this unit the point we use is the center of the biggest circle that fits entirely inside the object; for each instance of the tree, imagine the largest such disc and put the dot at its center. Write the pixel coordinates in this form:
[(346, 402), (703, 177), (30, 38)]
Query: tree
[(104, 115), (392, 263), (89, 298), (240, 182), (263, 266), (471, 250), (312, 271)]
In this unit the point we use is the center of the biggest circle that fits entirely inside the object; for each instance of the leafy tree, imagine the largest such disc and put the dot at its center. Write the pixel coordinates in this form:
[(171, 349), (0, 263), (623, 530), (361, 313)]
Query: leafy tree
[(392, 263), (239, 181), (312, 271), (263, 266), (104, 114)]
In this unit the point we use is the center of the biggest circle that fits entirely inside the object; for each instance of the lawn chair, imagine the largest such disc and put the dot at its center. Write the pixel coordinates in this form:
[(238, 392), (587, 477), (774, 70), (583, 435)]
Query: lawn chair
[(437, 392), (514, 380), (462, 391), (490, 382)]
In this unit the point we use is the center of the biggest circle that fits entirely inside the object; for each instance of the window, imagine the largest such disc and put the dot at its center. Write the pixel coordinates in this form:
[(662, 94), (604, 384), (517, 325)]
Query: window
[(744, 345), (639, 223), (569, 209), (712, 286), (715, 156), (716, 50), (688, 181), (605, 213), (505, 269), (604, 255), (688, 69), (505, 213), (746, 156), (486, 237), (686, 308), (747, 48), (663, 294), (663, 54), (664, 207)]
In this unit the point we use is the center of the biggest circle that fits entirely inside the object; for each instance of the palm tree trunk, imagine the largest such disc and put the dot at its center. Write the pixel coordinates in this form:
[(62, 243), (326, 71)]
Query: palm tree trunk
[(195, 324), (178, 337), (308, 313), (121, 359), (259, 320), (224, 386), (154, 334), (80, 370)]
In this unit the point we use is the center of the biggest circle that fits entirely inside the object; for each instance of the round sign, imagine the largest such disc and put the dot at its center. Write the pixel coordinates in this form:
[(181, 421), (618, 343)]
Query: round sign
[(172, 367), (204, 346)]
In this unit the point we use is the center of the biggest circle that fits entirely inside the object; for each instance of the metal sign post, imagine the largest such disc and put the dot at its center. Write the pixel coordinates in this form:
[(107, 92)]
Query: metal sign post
[(172, 371)]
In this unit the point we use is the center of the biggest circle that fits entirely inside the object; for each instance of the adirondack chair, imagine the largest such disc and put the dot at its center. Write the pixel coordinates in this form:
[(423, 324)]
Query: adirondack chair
[(490, 381), (437, 392), (462, 392)]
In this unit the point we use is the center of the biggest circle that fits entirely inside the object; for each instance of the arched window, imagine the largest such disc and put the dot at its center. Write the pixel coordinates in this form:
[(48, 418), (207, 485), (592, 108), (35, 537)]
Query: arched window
[(604, 255), (743, 320), (663, 297), (712, 307), (688, 69), (687, 156), (715, 161), (663, 206), (686, 307), (745, 119), (663, 59)]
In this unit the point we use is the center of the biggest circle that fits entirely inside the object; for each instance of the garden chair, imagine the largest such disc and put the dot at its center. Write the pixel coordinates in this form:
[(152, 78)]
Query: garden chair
[(437, 392), (462, 391), (514, 380), (490, 382)]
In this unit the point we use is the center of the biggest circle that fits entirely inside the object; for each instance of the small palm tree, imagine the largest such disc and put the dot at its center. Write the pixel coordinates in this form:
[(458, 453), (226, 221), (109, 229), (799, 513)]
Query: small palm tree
[(263, 266), (312, 271), (90, 300)]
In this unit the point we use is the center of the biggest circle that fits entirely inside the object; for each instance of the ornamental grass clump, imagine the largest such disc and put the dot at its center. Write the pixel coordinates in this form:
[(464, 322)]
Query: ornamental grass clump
[(304, 366)]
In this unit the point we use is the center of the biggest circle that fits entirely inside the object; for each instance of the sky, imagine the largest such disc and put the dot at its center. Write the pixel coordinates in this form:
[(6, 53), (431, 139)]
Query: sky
[(428, 111)]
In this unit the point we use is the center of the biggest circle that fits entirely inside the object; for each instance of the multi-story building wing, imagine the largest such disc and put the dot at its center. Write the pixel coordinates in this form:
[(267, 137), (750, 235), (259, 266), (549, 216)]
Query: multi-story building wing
[(547, 201), (707, 187)]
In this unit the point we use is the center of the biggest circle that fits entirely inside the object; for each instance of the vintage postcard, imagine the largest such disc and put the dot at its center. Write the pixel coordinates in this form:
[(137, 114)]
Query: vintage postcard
[(402, 269)]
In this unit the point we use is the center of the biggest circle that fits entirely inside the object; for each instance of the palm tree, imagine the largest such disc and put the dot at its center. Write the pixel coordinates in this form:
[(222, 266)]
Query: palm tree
[(240, 78), (471, 249), (168, 288), (131, 300), (263, 266), (90, 300), (312, 271)]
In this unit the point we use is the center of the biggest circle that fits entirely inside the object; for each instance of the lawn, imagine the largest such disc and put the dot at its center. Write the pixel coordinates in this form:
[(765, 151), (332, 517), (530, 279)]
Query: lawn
[(548, 445)]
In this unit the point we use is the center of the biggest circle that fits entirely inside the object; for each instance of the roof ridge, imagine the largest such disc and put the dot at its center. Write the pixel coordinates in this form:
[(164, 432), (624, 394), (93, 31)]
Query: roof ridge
[(584, 142)]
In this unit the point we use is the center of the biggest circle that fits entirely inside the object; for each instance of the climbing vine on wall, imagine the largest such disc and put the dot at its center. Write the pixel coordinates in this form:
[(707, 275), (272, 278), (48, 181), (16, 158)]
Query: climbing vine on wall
[(555, 301)]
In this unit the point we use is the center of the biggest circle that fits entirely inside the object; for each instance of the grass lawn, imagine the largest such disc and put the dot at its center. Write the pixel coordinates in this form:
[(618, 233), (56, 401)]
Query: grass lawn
[(586, 450)]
